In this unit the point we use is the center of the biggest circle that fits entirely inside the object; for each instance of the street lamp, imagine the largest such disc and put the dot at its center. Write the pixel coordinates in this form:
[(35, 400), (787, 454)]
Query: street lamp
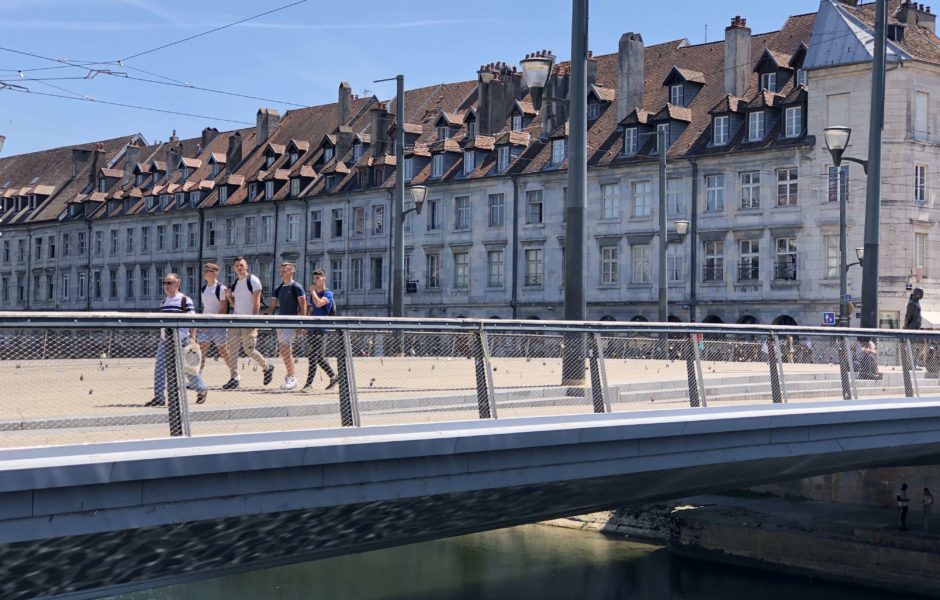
[(536, 69), (418, 195)]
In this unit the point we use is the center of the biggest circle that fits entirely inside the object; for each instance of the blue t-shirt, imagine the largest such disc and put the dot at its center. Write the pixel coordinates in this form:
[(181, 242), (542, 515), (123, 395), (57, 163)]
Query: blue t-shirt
[(288, 298), (326, 309)]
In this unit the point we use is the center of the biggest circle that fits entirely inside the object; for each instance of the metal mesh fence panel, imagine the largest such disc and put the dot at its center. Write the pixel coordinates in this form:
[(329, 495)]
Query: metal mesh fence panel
[(540, 374), (878, 366), (812, 369), (735, 368), (646, 371)]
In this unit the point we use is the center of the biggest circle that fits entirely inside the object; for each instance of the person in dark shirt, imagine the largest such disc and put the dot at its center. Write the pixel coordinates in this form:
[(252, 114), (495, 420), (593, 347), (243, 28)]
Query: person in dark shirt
[(912, 319), (321, 305), (290, 300)]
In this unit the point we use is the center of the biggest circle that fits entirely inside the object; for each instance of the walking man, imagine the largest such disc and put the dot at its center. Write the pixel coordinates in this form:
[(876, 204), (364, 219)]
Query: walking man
[(321, 305), (903, 502), (290, 300), (174, 302), (245, 298), (912, 319), (214, 302)]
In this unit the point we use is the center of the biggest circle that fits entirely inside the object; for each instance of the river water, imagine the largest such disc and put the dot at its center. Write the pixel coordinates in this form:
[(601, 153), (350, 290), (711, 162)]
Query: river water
[(533, 561)]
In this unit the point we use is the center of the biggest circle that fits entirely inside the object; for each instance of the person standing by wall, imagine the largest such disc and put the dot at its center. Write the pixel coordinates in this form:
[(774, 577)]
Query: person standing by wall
[(214, 302), (174, 302), (927, 505), (912, 318), (318, 346), (290, 300), (244, 296), (903, 502)]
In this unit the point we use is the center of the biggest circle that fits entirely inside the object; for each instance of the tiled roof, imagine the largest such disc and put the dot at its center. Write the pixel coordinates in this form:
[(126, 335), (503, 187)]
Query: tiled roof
[(729, 104)]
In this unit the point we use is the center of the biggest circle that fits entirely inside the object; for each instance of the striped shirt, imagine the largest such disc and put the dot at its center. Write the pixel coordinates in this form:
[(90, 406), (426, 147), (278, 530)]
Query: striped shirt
[(178, 303)]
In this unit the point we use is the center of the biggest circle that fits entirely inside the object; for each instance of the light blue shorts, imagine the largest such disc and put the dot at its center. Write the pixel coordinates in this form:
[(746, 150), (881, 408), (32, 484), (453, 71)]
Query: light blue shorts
[(216, 335), (285, 337)]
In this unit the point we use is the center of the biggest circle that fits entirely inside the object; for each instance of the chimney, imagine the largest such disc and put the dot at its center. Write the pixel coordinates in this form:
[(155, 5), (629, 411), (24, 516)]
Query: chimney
[(208, 134), (173, 154), (80, 158), (379, 130), (916, 15), (233, 157), (554, 113), (591, 69), (498, 86), (173, 137), (131, 156), (266, 123), (631, 74), (344, 141), (737, 57), (343, 103), (97, 161)]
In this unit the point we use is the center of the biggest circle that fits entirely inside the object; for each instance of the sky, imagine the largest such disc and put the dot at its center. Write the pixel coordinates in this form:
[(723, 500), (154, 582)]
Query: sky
[(291, 57)]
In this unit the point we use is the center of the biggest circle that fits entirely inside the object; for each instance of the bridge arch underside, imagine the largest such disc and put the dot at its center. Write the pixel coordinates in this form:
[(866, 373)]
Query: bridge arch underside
[(209, 515)]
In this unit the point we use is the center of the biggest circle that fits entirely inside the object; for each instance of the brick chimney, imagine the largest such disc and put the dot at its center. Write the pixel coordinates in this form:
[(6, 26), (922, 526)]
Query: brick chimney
[(233, 158), (344, 141), (343, 103), (380, 121), (266, 123), (498, 86), (173, 137), (97, 161), (80, 158), (131, 156), (913, 14), (737, 57), (630, 74), (208, 134), (173, 154)]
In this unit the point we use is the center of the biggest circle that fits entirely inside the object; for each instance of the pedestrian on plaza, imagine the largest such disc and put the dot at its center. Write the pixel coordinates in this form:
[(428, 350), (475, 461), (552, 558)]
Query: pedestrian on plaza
[(927, 505), (867, 359), (912, 318), (244, 296), (214, 302), (318, 340), (903, 502), (174, 302), (289, 299)]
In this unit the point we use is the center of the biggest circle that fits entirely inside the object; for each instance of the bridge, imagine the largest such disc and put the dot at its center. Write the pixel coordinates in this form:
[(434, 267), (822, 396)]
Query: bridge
[(100, 494)]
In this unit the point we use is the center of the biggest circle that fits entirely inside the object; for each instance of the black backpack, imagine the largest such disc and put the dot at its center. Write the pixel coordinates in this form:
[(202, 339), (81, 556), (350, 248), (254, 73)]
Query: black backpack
[(218, 290)]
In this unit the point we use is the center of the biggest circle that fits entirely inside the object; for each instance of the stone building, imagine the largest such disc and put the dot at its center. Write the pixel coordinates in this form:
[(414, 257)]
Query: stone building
[(96, 226)]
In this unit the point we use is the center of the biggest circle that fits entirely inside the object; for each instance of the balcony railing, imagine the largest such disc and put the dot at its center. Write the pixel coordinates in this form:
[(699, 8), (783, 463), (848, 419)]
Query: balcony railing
[(785, 270), (533, 279), (748, 270), (713, 272)]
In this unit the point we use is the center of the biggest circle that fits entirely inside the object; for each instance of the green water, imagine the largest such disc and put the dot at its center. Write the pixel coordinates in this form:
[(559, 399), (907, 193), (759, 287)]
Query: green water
[(533, 561)]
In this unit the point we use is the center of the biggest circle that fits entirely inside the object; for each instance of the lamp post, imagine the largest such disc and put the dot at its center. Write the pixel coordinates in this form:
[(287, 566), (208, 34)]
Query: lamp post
[(418, 195), (3, 138)]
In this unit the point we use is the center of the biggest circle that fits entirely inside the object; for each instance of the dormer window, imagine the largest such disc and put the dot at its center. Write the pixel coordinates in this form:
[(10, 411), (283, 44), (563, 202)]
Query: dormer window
[(102, 184), (157, 177), (252, 191), (630, 140), (164, 201), (437, 165), (677, 95), (268, 190), (357, 151), (471, 130), (768, 81), (294, 187), (469, 162), (801, 77), (223, 194), (594, 110), (502, 158), (32, 201), (150, 202), (755, 126), (269, 160), (794, 121), (443, 132), (720, 130), (180, 199), (140, 179), (294, 155), (194, 199), (185, 174), (328, 154), (558, 151), (517, 122), (215, 169)]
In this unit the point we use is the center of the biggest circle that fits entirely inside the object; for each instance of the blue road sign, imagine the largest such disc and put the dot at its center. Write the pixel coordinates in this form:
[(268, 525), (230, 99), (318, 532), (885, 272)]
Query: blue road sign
[(829, 318), (848, 297)]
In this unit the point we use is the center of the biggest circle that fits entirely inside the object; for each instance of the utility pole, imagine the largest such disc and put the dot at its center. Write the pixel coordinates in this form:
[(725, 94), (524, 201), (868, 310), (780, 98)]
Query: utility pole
[(398, 227), (663, 232), (873, 196)]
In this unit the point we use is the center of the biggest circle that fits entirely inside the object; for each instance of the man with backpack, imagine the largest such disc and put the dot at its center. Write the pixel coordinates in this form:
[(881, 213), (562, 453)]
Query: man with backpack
[(318, 346), (244, 296), (214, 302), (290, 300)]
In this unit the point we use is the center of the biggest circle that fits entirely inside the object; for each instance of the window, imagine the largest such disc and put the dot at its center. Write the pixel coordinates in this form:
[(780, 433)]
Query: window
[(920, 254), (461, 270), (161, 237), (768, 81), (801, 78), (81, 243), (714, 261), (662, 130), (130, 283), (294, 187), (50, 247), (268, 190), (409, 169), (327, 154), (223, 194), (21, 250), (533, 212), (837, 109), (338, 216), (497, 207), (787, 187), (113, 237), (714, 193), (378, 219), (494, 268), (191, 233), (675, 271), (749, 267), (462, 213), (838, 184), (502, 158), (437, 165), (177, 236), (675, 204), (65, 287), (642, 198), (293, 228), (720, 131), (469, 162), (920, 183), (750, 189), (210, 234), (66, 248), (38, 243), (36, 289), (96, 284), (434, 214), (755, 126), (376, 272), (250, 235), (231, 231), (359, 220), (921, 102), (82, 285), (630, 140), (5, 289), (180, 199), (129, 240), (357, 151), (516, 122), (113, 283), (316, 225), (559, 148), (640, 255), (434, 271), (336, 274), (833, 256), (610, 201), (355, 274), (786, 259), (594, 110), (267, 229), (252, 191), (443, 132), (533, 266), (794, 121), (676, 95), (610, 265)]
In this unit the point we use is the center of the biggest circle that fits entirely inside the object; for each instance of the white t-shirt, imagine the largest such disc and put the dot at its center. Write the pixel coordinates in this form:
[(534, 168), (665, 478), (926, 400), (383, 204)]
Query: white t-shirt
[(212, 298), (244, 298)]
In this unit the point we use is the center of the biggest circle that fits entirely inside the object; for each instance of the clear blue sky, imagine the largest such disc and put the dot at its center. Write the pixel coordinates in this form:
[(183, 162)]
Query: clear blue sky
[(298, 55)]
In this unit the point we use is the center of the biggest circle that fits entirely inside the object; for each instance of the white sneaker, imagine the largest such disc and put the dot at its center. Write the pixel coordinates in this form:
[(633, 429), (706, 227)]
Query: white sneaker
[(289, 384)]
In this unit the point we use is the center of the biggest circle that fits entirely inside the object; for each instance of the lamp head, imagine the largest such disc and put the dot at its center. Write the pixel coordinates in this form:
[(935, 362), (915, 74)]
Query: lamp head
[(837, 139), (536, 69), (418, 194), (860, 255), (682, 227)]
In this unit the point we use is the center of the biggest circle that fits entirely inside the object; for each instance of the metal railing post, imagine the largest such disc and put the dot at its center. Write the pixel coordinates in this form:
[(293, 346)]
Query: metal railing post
[(699, 379), (175, 388), (907, 365), (844, 369), (346, 372), (773, 363), (598, 374), (913, 373), (849, 360), (486, 399), (692, 369)]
